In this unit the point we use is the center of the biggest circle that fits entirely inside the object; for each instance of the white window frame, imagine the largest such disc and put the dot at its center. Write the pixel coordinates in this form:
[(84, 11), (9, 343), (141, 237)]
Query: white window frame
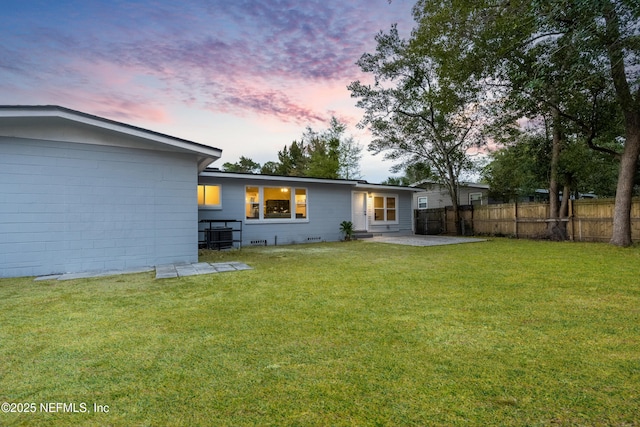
[(426, 202), (261, 204), (385, 208), (475, 194), (219, 205)]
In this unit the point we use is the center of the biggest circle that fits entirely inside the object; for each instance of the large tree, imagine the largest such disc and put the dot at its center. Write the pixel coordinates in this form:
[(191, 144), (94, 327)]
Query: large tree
[(245, 165), (414, 115), (518, 169), (329, 153), (563, 56)]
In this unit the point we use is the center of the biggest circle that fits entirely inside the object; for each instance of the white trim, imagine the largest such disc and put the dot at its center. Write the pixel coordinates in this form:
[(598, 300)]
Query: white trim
[(426, 200), (17, 114), (261, 201), (373, 187), (366, 213), (385, 208), (279, 178), (476, 194), (275, 221), (211, 207)]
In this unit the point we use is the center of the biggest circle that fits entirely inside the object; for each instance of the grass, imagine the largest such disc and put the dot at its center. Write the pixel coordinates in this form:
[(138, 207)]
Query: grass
[(505, 332)]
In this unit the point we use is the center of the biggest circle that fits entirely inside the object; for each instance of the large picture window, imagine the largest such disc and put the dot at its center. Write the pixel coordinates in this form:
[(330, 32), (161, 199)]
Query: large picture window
[(384, 208), (209, 196), (276, 203)]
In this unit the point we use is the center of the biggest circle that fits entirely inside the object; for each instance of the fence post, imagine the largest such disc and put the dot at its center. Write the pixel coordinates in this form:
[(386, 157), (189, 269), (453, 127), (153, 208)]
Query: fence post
[(573, 233), (515, 219)]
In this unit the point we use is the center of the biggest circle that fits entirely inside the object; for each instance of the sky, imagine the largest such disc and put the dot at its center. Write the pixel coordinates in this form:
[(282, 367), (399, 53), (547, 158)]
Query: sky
[(244, 76)]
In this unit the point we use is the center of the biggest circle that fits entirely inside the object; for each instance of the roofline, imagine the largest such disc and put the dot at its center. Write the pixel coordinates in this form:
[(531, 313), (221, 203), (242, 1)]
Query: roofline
[(261, 177), (366, 185), (461, 184), (101, 122)]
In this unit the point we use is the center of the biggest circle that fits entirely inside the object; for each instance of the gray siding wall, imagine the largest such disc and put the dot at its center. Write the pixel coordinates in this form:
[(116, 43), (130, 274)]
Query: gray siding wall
[(439, 197), (404, 212), (67, 207), (328, 205)]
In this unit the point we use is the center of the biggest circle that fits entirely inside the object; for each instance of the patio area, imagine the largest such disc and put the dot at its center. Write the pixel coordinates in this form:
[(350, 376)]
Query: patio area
[(422, 240)]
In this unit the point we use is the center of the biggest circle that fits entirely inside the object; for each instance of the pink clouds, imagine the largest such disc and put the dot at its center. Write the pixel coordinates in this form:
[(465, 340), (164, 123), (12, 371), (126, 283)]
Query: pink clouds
[(281, 60)]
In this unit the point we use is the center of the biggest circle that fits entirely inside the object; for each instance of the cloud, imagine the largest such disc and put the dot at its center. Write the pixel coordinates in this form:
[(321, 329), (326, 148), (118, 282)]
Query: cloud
[(241, 57)]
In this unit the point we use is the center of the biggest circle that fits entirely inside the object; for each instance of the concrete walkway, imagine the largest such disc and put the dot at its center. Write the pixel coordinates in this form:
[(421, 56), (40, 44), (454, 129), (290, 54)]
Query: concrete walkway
[(166, 271), (169, 271), (420, 240)]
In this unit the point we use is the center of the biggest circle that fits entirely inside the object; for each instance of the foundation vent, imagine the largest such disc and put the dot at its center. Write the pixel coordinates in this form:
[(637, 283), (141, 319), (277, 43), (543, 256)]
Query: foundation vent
[(314, 239), (258, 243)]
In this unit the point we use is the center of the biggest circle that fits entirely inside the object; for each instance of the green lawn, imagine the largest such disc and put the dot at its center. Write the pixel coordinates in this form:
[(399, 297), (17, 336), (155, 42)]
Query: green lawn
[(505, 332)]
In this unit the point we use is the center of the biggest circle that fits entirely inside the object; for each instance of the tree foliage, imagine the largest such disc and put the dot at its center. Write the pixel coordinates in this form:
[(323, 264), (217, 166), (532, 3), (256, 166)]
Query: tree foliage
[(320, 154), (575, 60), (244, 165), (415, 116)]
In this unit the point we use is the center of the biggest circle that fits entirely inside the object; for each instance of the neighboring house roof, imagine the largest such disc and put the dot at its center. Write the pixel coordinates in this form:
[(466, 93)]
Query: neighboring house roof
[(426, 183), (360, 184), (17, 120)]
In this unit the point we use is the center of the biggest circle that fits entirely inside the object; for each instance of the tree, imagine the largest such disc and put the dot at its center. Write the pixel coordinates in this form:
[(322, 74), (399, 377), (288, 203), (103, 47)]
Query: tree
[(414, 115), (322, 150), (325, 154), (269, 168), (292, 160), (332, 154), (413, 174), (519, 169), (350, 154), (245, 165), (565, 56)]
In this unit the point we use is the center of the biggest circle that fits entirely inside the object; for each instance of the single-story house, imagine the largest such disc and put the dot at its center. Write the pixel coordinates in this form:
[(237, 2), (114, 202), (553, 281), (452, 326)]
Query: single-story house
[(83, 193), (284, 210), (433, 195)]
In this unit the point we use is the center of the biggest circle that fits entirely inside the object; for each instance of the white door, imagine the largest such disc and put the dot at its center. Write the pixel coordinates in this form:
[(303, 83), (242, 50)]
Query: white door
[(359, 210)]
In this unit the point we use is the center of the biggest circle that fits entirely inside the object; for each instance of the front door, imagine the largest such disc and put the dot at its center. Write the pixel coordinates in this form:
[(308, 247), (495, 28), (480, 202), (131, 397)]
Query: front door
[(359, 210)]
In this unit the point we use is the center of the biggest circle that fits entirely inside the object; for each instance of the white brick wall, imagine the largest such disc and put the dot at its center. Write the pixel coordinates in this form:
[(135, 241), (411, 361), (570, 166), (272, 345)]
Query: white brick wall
[(68, 207)]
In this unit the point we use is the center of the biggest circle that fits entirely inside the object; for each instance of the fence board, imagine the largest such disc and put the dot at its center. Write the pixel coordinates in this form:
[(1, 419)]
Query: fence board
[(590, 220)]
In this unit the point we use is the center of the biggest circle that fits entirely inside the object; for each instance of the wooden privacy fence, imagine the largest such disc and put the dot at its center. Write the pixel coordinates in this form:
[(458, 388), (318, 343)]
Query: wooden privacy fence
[(589, 220)]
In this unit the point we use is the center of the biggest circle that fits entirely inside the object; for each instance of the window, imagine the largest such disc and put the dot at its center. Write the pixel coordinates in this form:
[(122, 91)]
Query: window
[(475, 198), (209, 196), (422, 203), (276, 203), (301, 203), (253, 202), (384, 209)]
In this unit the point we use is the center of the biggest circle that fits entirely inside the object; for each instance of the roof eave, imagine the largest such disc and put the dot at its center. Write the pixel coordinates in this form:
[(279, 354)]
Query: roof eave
[(206, 154)]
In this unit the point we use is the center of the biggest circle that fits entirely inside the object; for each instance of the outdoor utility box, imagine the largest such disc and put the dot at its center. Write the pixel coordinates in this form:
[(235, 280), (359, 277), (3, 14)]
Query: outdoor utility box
[(219, 237)]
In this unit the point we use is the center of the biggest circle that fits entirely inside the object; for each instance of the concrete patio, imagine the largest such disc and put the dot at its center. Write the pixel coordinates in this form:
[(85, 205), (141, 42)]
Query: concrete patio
[(421, 240)]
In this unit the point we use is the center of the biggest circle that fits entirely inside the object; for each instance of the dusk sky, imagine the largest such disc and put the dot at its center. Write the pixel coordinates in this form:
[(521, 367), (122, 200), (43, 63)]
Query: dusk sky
[(245, 76)]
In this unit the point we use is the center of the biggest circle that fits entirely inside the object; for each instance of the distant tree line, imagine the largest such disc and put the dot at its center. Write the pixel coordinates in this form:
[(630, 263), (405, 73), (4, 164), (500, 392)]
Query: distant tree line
[(325, 154)]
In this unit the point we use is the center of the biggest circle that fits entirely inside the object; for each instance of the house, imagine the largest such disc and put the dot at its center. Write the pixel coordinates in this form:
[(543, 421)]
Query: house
[(286, 210), (83, 193), (434, 195)]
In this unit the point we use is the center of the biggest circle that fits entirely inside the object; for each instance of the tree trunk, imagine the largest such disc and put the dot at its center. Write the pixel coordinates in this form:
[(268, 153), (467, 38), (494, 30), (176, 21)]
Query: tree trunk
[(556, 229), (564, 206), (630, 105), (621, 235)]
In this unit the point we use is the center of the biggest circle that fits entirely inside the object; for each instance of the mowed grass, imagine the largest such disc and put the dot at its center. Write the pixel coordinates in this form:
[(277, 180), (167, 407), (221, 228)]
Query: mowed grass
[(504, 332)]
